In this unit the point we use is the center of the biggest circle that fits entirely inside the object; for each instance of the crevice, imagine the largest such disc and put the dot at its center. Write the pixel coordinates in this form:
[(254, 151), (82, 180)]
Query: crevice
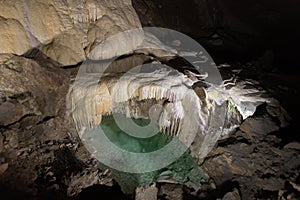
[(45, 119), (16, 122)]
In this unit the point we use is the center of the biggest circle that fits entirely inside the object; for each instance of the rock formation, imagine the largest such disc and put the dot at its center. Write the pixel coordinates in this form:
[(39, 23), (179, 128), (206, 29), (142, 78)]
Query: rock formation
[(65, 31), (42, 43), (179, 110)]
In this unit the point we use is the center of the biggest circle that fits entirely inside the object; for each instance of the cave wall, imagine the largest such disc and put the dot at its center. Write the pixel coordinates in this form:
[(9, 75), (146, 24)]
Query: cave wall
[(231, 29), (65, 31)]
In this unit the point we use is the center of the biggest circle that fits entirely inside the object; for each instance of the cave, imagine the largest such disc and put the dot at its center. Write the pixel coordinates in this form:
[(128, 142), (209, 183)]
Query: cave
[(149, 99)]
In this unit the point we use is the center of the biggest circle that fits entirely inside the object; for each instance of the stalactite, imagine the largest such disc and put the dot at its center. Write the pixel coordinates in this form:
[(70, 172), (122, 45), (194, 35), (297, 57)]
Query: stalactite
[(185, 112), (130, 95)]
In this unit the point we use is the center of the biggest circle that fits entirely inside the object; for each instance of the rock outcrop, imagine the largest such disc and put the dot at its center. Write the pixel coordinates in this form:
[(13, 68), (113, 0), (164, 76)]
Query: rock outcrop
[(30, 87), (65, 31)]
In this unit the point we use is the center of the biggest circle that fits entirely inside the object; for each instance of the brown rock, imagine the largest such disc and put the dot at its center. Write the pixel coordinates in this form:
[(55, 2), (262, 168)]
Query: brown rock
[(293, 145), (39, 88), (260, 126), (3, 168), (10, 113), (1, 143), (171, 192)]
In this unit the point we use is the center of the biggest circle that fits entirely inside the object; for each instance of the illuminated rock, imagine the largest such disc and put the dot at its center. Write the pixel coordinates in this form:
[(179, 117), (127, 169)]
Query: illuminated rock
[(66, 31), (166, 97)]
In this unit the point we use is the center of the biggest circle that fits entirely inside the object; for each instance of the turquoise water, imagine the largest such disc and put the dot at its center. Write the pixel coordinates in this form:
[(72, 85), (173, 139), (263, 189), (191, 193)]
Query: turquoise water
[(130, 143), (184, 170)]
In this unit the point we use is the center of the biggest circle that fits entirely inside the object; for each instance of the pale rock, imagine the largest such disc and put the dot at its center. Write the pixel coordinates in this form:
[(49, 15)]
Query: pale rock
[(182, 114), (13, 37), (198, 121), (146, 193), (246, 99), (139, 41), (197, 117), (71, 42), (117, 66), (152, 45), (112, 95), (234, 195), (123, 43), (66, 31)]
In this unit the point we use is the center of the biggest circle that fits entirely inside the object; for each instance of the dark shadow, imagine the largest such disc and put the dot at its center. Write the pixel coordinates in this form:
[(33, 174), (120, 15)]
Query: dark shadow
[(11, 194), (102, 192)]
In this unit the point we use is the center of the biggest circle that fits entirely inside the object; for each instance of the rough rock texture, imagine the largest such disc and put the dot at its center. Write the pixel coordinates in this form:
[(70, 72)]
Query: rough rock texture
[(253, 158), (41, 155), (29, 87), (248, 165), (31, 93), (146, 193), (66, 31)]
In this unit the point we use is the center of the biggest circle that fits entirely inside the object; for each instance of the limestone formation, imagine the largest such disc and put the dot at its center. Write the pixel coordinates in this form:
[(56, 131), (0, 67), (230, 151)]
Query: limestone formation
[(66, 31), (200, 115)]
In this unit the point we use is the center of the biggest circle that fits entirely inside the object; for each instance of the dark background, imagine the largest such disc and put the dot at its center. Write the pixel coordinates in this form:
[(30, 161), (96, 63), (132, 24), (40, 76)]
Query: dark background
[(233, 29)]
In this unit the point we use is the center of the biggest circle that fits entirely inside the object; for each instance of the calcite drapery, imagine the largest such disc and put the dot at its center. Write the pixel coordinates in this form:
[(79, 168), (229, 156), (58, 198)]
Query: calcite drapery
[(181, 113)]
